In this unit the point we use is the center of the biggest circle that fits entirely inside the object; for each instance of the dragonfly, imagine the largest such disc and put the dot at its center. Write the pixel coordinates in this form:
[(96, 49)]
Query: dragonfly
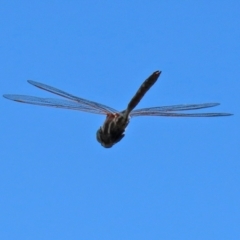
[(113, 128)]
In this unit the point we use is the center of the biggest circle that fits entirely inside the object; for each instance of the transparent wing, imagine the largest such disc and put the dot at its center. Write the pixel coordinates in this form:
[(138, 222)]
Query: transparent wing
[(57, 103), (83, 102), (167, 111), (76, 103), (167, 114), (180, 107)]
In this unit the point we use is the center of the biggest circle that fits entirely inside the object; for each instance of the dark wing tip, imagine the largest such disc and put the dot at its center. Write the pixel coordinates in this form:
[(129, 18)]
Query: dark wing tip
[(31, 82), (221, 114), (212, 104), (8, 96), (12, 97)]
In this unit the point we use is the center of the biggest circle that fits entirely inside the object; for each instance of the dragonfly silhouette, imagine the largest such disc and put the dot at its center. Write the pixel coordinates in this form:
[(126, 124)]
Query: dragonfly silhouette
[(112, 130)]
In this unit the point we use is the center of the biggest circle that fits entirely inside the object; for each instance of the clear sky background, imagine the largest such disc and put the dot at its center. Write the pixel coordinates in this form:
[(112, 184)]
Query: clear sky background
[(169, 178)]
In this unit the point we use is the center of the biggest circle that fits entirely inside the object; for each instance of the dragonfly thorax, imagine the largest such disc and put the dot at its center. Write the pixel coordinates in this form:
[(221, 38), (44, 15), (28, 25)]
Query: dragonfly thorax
[(113, 129)]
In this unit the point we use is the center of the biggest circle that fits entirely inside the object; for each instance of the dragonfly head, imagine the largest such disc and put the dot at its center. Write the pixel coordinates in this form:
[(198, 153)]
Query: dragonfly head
[(108, 140)]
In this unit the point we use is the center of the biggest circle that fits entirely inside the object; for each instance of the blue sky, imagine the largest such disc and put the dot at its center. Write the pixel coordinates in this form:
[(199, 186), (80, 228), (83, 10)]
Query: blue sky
[(169, 178)]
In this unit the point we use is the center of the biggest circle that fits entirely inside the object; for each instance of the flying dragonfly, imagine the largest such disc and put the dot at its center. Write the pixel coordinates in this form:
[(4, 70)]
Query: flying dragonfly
[(113, 129)]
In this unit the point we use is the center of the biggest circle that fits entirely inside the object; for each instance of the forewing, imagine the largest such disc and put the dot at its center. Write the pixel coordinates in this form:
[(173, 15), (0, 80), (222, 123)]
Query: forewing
[(82, 101), (171, 114), (57, 103), (167, 111), (180, 107)]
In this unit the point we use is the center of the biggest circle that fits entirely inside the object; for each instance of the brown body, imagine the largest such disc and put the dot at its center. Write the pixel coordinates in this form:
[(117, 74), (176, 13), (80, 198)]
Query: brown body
[(115, 124)]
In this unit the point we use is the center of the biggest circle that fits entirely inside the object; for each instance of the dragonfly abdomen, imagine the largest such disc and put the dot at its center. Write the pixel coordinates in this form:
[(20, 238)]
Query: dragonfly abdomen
[(147, 84)]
